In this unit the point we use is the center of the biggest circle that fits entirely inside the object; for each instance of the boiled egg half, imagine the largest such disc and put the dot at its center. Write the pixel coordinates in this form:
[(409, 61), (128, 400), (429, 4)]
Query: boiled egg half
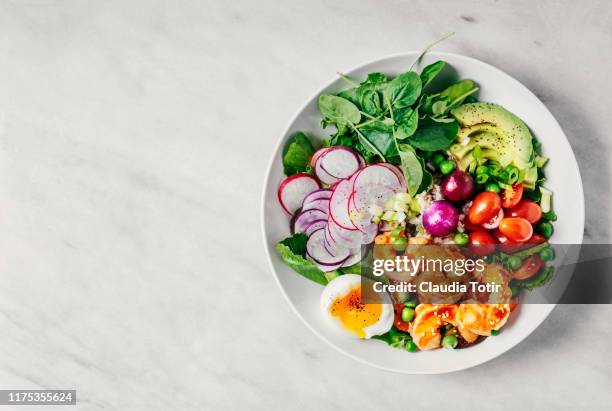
[(342, 307)]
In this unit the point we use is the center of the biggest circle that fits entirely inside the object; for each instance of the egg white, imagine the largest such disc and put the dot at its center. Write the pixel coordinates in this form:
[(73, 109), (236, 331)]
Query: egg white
[(340, 287)]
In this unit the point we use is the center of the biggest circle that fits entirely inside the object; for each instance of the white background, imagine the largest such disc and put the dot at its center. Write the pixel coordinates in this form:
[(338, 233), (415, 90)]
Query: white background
[(134, 138)]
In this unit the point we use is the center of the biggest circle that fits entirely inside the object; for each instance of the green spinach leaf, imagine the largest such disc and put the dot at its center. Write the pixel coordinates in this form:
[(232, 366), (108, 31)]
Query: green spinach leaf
[(403, 90), (297, 154), (339, 111), (381, 137), (406, 123), (434, 136), (431, 71), (411, 167)]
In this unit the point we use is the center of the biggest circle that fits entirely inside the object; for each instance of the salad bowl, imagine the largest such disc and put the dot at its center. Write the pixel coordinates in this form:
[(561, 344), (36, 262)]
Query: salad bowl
[(563, 178)]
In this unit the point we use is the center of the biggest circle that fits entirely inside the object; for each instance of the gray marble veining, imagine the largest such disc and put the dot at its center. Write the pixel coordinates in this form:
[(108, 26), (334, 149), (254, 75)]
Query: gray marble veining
[(134, 138)]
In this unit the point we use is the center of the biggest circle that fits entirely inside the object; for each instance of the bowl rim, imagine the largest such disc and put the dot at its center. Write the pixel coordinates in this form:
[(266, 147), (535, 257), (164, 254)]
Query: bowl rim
[(547, 308)]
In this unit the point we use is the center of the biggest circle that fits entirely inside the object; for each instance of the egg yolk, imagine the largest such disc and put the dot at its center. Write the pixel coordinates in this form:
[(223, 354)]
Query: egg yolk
[(354, 315)]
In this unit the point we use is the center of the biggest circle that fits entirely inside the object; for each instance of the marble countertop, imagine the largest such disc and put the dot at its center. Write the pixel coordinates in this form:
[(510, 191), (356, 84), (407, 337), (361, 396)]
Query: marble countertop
[(134, 138)]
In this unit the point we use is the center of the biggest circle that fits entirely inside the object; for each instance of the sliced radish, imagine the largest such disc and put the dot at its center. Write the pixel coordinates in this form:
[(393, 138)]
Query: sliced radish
[(314, 226), (339, 162), (317, 252), (354, 257), (316, 195), (378, 174), (398, 173), (323, 175), (294, 189), (317, 154), (344, 237), (338, 205), (321, 204), (306, 217)]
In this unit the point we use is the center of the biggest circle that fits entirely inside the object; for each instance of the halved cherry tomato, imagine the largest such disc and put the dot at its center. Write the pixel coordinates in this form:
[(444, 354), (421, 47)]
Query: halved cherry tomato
[(494, 222), (527, 209), (398, 322), (531, 266), (486, 205), (481, 243), (512, 195), (473, 227), (516, 229), (510, 247)]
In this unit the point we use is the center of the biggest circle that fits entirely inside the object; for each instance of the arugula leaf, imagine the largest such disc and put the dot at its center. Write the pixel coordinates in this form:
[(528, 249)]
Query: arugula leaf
[(411, 167), (431, 71), (297, 154), (298, 263), (339, 111), (403, 90), (434, 136)]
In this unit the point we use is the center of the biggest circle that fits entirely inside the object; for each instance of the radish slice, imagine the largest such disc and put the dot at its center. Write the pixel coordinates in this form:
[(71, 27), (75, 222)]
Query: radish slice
[(307, 217), (374, 185), (338, 205), (398, 173), (339, 162), (323, 175), (314, 226), (321, 204), (316, 195), (315, 249), (317, 154), (344, 237), (354, 258), (294, 189)]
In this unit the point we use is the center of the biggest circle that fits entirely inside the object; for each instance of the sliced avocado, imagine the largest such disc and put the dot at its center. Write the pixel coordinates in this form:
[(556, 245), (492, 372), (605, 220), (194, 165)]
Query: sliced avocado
[(491, 143), (494, 118)]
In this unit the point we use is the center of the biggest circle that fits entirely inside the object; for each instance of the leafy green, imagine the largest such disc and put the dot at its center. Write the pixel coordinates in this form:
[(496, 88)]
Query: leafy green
[(375, 78), (537, 280), (289, 250), (351, 269), (411, 167), (297, 154), (406, 122), (431, 71), (394, 338), (339, 111), (381, 137), (403, 91), (434, 136)]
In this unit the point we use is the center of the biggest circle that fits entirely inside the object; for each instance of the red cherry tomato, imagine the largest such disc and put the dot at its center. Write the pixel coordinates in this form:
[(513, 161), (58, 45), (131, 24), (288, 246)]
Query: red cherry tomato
[(527, 209), (481, 243), (517, 229), (531, 265), (512, 195), (398, 322), (494, 222), (510, 247), (536, 239), (485, 206)]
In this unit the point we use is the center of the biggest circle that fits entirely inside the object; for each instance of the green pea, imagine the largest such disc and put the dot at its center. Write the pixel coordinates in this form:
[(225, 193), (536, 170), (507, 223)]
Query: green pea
[(494, 332), (411, 346), (396, 231), (447, 167), (407, 314), (450, 341), (396, 338), (400, 243), (482, 170), (547, 254), (549, 216), (546, 229), (437, 159), (461, 239), (513, 262), (492, 187)]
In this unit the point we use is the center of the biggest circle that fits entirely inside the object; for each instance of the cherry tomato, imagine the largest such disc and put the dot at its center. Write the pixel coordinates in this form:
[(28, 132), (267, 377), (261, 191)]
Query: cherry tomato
[(398, 322), (494, 222), (531, 266), (473, 227), (512, 195), (486, 205), (516, 229), (536, 239), (510, 247), (481, 243), (527, 209)]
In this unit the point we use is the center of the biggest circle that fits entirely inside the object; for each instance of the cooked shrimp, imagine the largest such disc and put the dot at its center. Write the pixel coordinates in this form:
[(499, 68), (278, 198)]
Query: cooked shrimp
[(481, 319), (425, 328)]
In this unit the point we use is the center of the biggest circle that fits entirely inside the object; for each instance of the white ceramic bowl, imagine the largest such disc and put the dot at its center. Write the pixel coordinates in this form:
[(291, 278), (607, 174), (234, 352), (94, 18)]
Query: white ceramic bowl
[(563, 178)]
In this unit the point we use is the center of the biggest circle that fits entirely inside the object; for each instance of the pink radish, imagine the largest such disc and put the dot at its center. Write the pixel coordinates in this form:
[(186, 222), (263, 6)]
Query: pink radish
[(320, 194), (398, 173), (339, 162), (294, 189), (338, 205), (305, 217), (314, 226), (343, 237), (317, 252), (317, 154)]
